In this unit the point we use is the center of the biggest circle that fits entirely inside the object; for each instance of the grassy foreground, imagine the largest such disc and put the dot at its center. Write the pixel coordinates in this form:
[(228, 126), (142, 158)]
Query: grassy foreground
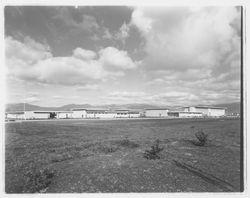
[(67, 156)]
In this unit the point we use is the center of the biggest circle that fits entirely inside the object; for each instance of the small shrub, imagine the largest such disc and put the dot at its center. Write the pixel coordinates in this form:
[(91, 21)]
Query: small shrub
[(127, 143), (108, 148), (37, 180), (153, 153), (201, 137), (61, 157)]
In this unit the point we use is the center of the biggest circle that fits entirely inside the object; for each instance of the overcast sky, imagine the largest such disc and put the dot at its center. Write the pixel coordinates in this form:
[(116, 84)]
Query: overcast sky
[(121, 55)]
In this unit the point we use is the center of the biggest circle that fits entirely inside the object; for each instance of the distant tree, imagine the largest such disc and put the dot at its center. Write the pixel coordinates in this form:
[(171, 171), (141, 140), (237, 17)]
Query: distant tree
[(52, 115)]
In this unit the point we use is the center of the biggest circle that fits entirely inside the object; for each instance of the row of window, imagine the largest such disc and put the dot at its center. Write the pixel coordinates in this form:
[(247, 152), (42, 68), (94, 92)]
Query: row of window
[(106, 113)]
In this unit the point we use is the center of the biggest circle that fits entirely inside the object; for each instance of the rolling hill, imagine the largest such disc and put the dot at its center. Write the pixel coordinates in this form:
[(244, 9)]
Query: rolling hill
[(231, 107)]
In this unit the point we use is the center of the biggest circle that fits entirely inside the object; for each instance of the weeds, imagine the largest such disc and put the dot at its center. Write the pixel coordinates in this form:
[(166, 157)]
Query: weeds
[(107, 148), (153, 153), (127, 143), (38, 180), (201, 138)]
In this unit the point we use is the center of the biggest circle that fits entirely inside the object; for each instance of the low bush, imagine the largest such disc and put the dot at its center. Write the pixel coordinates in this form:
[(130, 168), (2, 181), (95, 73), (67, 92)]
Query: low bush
[(127, 143), (107, 148), (38, 179), (201, 138), (153, 153)]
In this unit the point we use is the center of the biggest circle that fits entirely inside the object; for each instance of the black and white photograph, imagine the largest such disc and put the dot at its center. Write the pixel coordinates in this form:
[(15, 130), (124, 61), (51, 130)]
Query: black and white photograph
[(124, 99)]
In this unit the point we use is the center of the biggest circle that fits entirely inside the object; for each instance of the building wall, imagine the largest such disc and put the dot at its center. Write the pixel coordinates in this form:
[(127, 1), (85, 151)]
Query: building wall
[(195, 109), (156, 113), (122, 115), (217, 112), (42, 115), (92, 115), (190, 114), (134, 115), (36, 115), (108, 115), (79, 114), (173, 114), (63, 115), (206, 111), (15, 116), (29, 115)]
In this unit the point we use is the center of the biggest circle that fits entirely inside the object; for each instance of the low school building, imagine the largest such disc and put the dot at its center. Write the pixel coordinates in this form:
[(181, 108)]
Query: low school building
[(100, 113), (134, 114), (28, 115), (183, 114), (157, 112), (79, 113), (122, 113), (209, 111), (17, 115), (64, 114)]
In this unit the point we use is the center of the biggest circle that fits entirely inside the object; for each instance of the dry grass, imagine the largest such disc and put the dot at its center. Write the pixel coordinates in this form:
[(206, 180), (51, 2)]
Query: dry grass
[(107, 156)]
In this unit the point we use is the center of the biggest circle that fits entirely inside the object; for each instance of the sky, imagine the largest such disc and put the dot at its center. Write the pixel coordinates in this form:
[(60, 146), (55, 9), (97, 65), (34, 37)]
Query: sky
[(121, 55)]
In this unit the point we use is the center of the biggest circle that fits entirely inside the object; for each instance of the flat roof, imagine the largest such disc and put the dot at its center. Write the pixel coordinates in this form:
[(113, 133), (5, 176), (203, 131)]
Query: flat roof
[(15, 112), (35, 111), (96, 109), (157, 109), (188, 112), (131, 111), (64, 111), (207, 107)]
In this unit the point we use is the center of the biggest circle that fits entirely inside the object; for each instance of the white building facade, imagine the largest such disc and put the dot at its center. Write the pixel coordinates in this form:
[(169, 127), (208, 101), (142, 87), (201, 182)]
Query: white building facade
[(79, 113), (28, 115), (64, 114), (122, 113), (207, 110), (134, 114), (15, 115), (99, 113), (37, 115), (161, 112)]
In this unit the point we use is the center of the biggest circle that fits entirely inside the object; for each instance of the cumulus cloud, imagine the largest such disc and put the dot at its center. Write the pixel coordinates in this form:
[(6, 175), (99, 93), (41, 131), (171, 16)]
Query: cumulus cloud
[(28, 52), (112, 58), (140, 20), (32, 61), (192, 49), (84, 54), (123, 33), (87, 87), (126, 97), (179, 97), (58, 97), (107, 34), (72, 18), (169, 98), (182, 38)]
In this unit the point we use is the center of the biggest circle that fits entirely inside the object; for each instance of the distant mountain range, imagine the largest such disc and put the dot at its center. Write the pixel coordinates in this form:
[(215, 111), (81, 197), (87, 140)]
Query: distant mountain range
[(231, 107)]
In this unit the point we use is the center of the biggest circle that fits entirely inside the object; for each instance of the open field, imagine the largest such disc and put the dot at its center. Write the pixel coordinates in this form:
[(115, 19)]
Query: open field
[(107, 156)]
